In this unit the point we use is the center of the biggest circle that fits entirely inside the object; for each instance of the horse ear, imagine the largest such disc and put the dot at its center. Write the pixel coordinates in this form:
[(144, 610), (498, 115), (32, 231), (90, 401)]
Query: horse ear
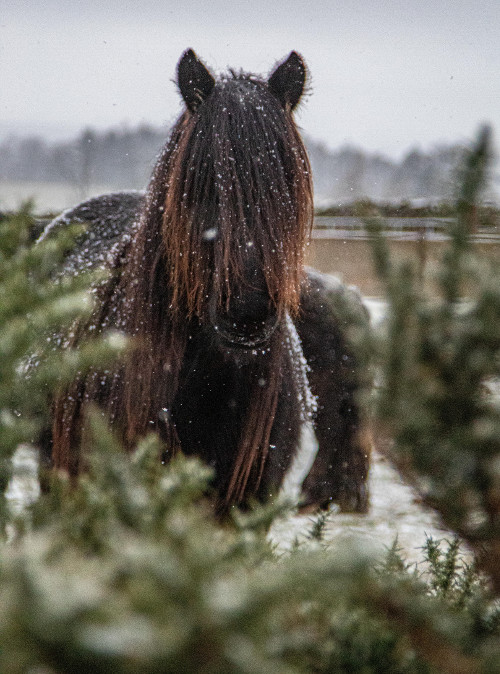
[(194, 80), (288, 80)]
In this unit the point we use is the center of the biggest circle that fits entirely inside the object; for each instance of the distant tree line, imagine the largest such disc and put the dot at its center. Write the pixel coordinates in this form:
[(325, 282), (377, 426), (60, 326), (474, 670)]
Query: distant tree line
[(123, 159), (349, 174), (119, 158)]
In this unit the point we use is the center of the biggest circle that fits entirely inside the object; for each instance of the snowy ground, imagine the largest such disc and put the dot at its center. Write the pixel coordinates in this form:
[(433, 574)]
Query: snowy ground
[(394, 508), (394, 513)]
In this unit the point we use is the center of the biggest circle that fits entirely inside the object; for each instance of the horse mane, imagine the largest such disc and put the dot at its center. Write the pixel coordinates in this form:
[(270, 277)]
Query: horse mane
[(233, 176)]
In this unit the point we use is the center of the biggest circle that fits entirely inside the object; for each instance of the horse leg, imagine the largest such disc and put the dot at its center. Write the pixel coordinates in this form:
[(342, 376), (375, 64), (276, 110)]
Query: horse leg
[(340, 470)]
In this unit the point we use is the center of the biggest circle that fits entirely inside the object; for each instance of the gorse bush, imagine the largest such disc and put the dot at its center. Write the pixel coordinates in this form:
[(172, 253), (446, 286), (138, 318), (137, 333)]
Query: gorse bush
[(126, 570), (33, 310), (440, 399)]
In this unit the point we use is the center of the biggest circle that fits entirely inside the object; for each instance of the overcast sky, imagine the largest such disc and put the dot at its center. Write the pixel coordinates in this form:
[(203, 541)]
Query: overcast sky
[(386, 75)]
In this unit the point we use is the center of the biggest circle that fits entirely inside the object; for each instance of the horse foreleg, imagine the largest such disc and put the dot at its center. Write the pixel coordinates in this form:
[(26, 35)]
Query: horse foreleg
[(340, 470)]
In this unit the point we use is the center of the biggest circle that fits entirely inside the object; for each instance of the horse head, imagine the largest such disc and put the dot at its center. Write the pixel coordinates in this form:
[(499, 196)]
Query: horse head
[(238, 200)]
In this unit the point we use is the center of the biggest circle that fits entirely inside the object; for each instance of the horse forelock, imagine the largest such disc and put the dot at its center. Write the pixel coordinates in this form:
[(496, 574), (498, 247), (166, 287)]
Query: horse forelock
[(237, 190)]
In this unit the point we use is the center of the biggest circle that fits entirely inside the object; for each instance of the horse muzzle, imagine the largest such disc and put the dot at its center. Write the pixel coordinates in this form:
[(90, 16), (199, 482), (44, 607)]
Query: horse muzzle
[(243, 336), (245, 325)]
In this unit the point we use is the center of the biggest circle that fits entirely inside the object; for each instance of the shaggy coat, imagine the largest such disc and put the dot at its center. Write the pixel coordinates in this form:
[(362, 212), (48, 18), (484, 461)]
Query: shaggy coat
[(207, 280)]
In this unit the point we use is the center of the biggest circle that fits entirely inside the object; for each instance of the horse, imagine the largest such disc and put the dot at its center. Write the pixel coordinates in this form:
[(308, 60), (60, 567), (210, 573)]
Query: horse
[(234, 345)]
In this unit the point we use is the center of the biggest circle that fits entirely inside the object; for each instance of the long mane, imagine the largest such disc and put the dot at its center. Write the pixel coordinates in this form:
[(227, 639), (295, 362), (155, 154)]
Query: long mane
[(233, 179)]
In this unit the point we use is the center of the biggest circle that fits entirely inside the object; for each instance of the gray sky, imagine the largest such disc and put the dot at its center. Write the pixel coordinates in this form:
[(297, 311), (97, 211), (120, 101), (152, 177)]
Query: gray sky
[(385, 75)]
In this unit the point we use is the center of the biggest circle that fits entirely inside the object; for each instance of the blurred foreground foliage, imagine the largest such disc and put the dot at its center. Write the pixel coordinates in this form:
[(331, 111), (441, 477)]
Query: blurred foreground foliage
[(440, 401), (126, 570), (129, 572), (34, 310)]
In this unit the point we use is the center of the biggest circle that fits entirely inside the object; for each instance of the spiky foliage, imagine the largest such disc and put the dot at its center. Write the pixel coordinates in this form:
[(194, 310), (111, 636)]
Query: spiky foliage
[(439, 400), (128, 572), (33, 307)]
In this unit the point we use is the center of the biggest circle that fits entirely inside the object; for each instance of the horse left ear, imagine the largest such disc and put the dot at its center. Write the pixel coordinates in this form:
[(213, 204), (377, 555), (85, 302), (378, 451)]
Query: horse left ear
[(194, 79), (288, 80)]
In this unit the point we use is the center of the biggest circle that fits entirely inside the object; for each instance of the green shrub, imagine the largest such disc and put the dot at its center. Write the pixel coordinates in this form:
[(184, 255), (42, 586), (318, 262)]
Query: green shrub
[(441, 356)]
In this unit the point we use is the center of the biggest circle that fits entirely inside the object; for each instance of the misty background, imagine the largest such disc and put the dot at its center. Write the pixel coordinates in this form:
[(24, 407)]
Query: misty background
[(396, 89), (123, 159)]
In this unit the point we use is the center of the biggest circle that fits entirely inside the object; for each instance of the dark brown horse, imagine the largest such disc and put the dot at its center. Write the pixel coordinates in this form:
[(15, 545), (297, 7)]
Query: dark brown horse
[(208, 282)]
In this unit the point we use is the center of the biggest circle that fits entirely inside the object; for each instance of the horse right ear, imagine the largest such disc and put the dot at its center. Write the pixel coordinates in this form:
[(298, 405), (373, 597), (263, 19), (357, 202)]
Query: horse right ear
[(194, 80)]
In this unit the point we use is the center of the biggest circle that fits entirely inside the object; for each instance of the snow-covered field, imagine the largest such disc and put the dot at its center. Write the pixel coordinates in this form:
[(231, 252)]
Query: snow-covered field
[(394, 513)]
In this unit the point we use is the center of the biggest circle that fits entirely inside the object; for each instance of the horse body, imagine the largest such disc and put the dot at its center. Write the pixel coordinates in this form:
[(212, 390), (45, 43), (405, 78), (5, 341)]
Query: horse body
[(208, 281)]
